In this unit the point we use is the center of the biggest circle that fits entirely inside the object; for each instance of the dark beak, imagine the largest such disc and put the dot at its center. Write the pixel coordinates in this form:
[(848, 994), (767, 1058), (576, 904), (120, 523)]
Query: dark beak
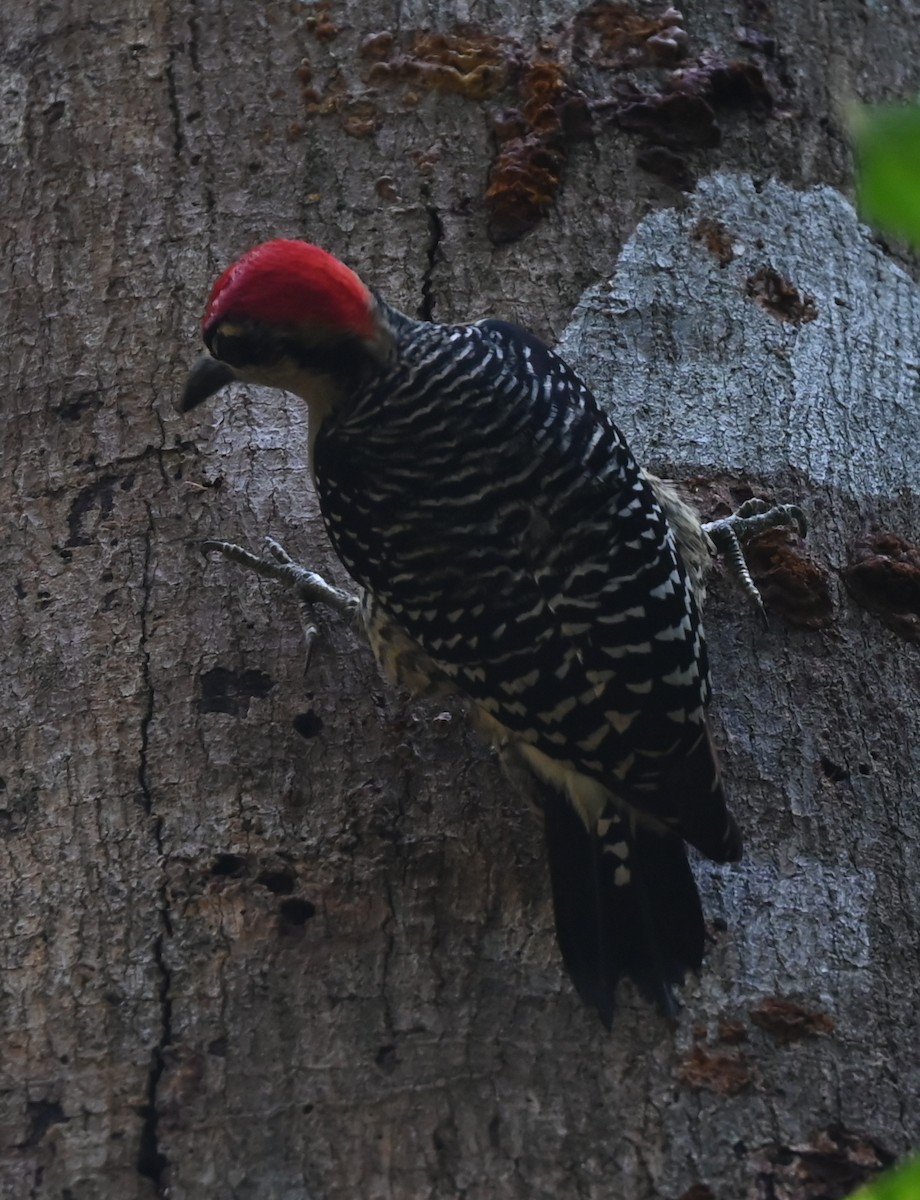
[(206, 377)]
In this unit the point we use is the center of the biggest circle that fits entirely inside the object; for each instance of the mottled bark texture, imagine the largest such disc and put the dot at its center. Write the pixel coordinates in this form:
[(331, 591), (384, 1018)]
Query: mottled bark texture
[(276, 936)]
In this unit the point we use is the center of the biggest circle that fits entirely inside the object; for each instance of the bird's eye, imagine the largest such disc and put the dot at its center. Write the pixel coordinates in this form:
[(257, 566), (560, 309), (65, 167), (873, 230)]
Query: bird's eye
[(245, 345), (241, 347)]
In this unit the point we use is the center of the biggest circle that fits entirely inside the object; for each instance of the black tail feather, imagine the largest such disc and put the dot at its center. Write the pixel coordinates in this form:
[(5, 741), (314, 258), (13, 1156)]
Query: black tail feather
[(704, 820), (626, 904)]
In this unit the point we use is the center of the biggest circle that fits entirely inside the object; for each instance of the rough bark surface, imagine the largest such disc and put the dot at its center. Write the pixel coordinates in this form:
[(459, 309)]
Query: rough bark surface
[(280, 935)]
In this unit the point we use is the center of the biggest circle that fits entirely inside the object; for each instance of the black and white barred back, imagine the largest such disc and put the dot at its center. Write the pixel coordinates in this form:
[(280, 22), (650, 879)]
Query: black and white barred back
[(495, 515)]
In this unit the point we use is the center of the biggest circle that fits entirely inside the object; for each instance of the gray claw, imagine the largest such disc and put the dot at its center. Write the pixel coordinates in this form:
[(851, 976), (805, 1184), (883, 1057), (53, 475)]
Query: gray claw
[(752, 518)]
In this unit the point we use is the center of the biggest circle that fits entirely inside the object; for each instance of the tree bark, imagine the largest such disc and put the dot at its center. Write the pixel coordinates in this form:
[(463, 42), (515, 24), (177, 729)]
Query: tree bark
[(280, 933)]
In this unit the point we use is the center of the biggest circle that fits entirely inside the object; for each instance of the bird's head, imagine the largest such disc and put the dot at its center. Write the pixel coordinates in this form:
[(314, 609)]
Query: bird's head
[(287, 315)]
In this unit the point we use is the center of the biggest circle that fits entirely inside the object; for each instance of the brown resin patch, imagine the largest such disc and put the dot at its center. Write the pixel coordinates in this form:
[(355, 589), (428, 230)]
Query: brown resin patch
[(358, 115), (471, 64), (788, 1021), (724, 1071), (716, 495), (672, 107), (616, 36), (883, 576), (829, 1167), (732, 1033), (715, 237), (532, 154), (319, 24), (780, 298), (789, 579)]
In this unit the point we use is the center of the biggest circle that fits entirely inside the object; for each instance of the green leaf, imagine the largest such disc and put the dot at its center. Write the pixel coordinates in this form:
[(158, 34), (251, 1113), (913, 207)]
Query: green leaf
[(903, 1183), (886, 138)]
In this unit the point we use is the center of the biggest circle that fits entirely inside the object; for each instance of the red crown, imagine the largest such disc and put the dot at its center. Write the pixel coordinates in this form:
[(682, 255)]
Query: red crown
[(284, 282)]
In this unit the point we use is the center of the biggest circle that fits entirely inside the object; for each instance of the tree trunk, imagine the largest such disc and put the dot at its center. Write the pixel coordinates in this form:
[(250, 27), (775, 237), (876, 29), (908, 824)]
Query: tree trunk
[(273, 933)]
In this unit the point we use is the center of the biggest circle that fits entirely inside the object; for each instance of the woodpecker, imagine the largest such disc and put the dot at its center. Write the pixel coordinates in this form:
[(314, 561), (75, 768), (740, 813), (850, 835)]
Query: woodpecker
[(508, 549)]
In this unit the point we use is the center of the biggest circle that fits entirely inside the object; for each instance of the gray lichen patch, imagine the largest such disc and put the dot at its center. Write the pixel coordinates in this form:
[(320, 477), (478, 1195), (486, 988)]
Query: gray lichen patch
[(687, 329)]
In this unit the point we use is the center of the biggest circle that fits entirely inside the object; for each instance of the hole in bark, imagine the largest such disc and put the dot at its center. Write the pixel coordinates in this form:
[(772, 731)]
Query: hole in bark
[(229, 865), (218, 1047), (884, 577), (229, 691), (73, 409), (280, 882), (42, 1115), (150, 1162), (767, 1187), (699, 1191), (386, 1059), (834, 1163), (781, 298), (225, 691), (494, 1127), (307, 724), (294, 913), (659, 160), (834, 773), (95, 496)]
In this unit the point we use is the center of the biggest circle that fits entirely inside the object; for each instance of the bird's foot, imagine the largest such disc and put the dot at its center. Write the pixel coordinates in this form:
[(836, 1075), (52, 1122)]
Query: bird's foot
[(752, 518), (309, 587)]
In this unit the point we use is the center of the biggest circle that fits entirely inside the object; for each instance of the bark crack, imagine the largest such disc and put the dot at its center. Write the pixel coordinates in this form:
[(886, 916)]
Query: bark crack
[(178, 136), (143, 777), (432, 250), (193, 38), (388, 951), (151, 1162)]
